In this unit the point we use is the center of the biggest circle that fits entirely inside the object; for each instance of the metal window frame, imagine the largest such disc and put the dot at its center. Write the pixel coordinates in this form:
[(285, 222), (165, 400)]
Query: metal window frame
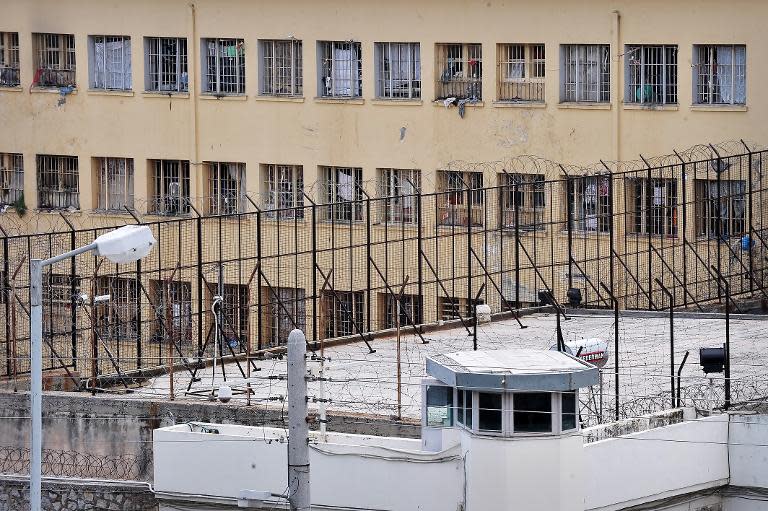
[(452, 204), (385, 81), (56, 62), (522, 195), (125, 73), (644, 220), (123, 304), (277, 322), (641, 69), (340, 209), (272, 83), (576, 62), (339, 319), (166, 173), (58, 182), (579, 198), (391, 189), (9, 59), (11, 178), (705, 70), (155, 57), (225, 194), (455, 60), (284, 195), (214, 67), (328, 64), (530, 87), (706, 209)]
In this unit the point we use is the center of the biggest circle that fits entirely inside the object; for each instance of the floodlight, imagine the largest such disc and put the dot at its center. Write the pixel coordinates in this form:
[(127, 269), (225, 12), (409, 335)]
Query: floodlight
[(126, 244)]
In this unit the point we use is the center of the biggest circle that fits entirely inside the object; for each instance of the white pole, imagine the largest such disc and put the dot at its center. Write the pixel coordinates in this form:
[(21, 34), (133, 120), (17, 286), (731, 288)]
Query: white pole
[(36, 384), (298, 428)]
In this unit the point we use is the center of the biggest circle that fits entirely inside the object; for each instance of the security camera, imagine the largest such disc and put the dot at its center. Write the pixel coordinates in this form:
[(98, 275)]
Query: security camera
[(81, 298)]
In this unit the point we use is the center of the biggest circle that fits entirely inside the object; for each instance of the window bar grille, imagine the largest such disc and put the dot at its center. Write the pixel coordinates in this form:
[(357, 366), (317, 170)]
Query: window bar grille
[(226, 185), (225, 66), (57, 182), (397, 188), (284, 197), (521, 72), (9, 59), (112, 62), (343, 193), (399, 70), (167, 67), (11, 178), (282, 67), (171, 187), (462, 71), (341, 69), (586, 73), (115, 184), (55, 60)]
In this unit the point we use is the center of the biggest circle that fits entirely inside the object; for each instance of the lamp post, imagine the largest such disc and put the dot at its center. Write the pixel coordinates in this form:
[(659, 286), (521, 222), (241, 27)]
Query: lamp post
[(124, 245)]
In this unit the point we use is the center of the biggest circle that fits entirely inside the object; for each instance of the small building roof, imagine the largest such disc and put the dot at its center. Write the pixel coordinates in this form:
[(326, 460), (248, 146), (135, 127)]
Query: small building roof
[(519, 369)]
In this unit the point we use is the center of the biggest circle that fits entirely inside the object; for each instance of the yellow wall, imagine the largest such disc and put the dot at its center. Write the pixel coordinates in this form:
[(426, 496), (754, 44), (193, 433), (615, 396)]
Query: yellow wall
[(366, 133)]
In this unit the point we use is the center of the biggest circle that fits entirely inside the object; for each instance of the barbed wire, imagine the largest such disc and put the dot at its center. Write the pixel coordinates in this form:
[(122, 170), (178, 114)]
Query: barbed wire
[(67, 463)]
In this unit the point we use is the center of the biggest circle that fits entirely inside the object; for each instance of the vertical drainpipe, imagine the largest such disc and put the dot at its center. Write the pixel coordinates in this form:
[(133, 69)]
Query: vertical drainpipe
[(194, 164), (616, 85)]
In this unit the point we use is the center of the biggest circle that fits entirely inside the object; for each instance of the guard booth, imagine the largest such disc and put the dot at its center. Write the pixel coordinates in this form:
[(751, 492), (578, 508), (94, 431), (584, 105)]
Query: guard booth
[(515, 414)]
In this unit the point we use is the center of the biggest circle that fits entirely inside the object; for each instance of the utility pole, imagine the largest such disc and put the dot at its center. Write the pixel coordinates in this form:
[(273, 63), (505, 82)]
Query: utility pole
[(298, 428)]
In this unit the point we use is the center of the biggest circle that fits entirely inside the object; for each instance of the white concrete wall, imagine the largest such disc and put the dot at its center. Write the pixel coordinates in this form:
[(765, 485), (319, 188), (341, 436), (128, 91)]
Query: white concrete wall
[(748, 450), (378, 473), (650, 465)]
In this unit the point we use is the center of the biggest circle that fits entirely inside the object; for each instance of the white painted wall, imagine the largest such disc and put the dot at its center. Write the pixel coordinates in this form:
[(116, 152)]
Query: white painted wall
[(655, 464), (748, 449)]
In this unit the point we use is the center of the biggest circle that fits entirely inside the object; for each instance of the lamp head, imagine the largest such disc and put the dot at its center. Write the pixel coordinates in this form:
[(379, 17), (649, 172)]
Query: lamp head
[(126, 244)]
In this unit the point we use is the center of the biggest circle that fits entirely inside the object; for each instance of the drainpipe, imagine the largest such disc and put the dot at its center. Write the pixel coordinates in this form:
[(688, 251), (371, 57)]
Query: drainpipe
[(616, 85), (192, 62)]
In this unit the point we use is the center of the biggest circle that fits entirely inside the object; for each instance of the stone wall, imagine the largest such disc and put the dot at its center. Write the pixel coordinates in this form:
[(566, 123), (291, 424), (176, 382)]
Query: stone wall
[(77, 494)]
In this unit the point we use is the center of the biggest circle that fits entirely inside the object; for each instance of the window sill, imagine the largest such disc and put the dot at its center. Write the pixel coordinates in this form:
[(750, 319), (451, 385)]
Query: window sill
[(159, 94), (519, 104), (50, 90), (340, 101), (103, 92), (280, 99), (225, 97), (584, 106), (56, 211), (651, 107), (17, 88), (719, 108), (397, 102), (439, 102)]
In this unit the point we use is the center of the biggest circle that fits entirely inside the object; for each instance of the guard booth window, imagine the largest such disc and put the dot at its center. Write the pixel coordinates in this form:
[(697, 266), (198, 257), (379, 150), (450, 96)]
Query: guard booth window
[(440, 406), (533, 412), (489, 411)]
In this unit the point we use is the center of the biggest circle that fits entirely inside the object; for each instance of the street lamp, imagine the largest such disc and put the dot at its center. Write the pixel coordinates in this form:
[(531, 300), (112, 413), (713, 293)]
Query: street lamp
[(124, 245)]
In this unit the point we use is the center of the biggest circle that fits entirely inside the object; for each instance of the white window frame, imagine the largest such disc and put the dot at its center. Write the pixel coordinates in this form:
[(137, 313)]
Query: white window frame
[(112, 173), (398, 70), (577, 62), (708, 87), (222, 74), (9, 59), (166, 73), (110, 62), (277, 78), (339, 69), (651, 74)]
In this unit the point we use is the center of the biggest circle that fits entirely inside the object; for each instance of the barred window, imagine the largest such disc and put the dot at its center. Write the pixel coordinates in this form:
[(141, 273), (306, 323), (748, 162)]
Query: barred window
[(59, 292), (55, 65), (281, 68), (521, 196), (399, 187), (58, 185), (341, 69), (521, 72), (651, 75), (652, 206), (590, 203), (459, 72), (233, 321), (410, 307), (117, 319), (452, 204), (285, 310), (114, 183), (720, 74), (343, 313), (720, 210), (170, 187), (284, 196), (173, 313), (343, 193), (9, 59), (226, 187), (586, 73), (450, 307), (166, 64), (110, 62), (223, 66), (11, 178), (398, 70)]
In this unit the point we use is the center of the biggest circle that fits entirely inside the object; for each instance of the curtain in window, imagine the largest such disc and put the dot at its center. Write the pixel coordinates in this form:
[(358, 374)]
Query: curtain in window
[(345, 184), (724, 63), (740, 71), (345, 72)]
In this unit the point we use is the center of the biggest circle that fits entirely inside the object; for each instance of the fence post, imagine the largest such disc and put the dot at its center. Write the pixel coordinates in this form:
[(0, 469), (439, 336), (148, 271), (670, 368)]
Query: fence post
[(368, 266), (671, 298), (515, 198), (315, 333), (259, 300), (751, 225), (7, 303), (469, 248), (138, 314), (199, 227), (420, 262)]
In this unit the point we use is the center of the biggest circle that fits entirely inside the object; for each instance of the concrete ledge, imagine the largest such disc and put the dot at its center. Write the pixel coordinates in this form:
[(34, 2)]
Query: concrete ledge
[(280, 99)]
